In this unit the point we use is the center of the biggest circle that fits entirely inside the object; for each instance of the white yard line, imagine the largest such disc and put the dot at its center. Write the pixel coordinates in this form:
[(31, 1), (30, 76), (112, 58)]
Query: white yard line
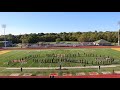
[(30, 64), (39, 64), (20, 65)]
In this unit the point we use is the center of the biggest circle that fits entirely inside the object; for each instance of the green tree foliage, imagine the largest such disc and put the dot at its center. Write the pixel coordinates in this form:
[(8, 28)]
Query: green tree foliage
[(1, 44), (24, 39), (64, 36), (58, 40)]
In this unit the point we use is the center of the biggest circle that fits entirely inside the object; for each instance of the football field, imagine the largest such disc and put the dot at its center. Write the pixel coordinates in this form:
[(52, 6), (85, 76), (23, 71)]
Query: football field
[(43, 62)]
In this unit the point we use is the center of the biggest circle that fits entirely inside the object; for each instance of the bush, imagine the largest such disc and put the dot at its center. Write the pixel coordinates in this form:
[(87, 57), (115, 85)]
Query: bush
[(1, 44), (58, 40)]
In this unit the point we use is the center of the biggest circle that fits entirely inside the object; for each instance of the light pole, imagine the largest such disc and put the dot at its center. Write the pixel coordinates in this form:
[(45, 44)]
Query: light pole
[(4, 26), (118, 34)]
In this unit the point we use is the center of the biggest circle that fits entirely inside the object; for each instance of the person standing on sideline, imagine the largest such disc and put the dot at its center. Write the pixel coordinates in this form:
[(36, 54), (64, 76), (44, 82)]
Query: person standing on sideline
[(99, 67), (113, 71), (21, 69), (60, 66)]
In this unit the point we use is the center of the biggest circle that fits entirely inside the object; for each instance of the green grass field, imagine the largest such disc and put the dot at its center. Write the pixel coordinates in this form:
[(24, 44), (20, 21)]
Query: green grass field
[(53, 58)]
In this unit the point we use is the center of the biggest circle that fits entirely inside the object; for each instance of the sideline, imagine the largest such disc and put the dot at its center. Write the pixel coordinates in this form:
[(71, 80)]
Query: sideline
[(64, 67)]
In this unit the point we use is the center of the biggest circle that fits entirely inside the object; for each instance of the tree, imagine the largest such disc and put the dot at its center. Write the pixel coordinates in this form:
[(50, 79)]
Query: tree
[(81, 38), (24, 39), (1, 44), (58, 40), (10, 37), (71, 36)]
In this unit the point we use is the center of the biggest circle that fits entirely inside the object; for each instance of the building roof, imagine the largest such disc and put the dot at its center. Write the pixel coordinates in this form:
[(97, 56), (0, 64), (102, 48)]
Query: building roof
[(102, 41)]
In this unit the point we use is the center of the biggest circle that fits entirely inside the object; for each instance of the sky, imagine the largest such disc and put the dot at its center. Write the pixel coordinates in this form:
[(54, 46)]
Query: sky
[(56, 22)]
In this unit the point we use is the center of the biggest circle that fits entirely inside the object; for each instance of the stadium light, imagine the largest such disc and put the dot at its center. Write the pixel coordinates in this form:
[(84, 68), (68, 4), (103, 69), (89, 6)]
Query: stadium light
[(4, 26)]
